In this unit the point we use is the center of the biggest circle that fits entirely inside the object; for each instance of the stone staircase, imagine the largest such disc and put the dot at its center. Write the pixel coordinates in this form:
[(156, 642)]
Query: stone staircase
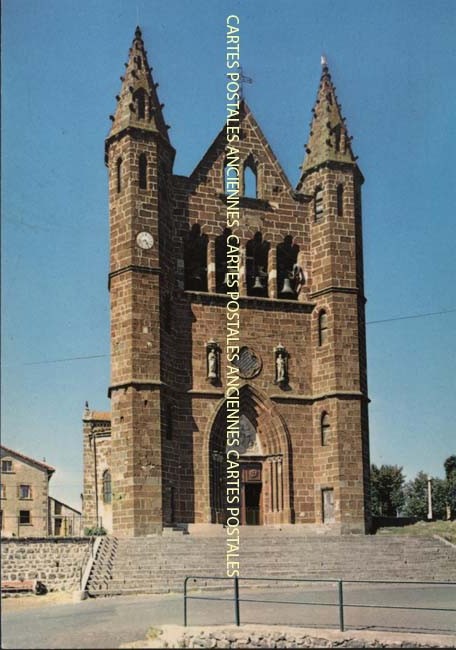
[(159, 564)]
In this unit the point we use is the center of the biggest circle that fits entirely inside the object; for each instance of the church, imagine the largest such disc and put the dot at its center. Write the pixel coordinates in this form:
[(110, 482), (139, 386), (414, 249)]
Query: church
[(158, 458)]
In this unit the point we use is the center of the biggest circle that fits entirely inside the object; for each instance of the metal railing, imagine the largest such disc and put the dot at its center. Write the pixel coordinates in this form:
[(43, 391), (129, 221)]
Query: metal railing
[(339, 592)]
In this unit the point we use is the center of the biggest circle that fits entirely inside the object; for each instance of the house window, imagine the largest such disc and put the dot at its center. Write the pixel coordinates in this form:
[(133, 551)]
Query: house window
[(143, 171), (322, 328), (325, 429), (24, 517), (7, 466), (25, 492), (107, 492), (3, 493), (340, 200), (318, 204)]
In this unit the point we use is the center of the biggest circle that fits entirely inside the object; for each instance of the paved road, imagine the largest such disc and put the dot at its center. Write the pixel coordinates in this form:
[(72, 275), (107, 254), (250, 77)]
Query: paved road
[(108, 622)]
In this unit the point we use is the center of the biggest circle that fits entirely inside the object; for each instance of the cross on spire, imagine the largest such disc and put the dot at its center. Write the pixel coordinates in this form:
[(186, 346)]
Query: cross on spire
[(243, 80)]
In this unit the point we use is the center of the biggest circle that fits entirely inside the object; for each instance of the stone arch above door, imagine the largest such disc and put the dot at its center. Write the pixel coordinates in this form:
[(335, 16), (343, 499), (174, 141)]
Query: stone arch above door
[(267, 441)]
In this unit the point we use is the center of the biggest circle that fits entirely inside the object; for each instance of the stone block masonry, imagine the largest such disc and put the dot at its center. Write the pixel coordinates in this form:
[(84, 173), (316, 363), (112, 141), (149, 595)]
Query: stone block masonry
[(56, 562), (273, 636)]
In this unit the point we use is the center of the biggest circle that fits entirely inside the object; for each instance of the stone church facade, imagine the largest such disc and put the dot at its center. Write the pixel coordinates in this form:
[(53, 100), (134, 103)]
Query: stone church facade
[(158, 458)]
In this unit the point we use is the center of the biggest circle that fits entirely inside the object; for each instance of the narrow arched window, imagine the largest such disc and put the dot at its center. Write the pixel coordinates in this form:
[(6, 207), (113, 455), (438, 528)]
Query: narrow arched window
[(169, 422), (318, 203), (325, 429), (143, 171), (340, 200), (107, 492), (257, 253), (250, 182), (322, 328), (226, 178), (119, 174)]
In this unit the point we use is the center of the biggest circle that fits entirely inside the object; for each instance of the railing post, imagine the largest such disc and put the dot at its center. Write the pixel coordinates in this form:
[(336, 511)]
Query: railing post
[(341, 606), (185, 602), (236, 601)]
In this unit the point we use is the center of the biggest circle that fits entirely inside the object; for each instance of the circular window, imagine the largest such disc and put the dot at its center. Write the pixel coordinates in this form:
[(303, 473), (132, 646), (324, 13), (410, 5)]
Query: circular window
[(249, 363)]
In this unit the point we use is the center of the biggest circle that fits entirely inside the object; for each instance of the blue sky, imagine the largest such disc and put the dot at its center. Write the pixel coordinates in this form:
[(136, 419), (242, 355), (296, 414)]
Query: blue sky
[(393, 65)]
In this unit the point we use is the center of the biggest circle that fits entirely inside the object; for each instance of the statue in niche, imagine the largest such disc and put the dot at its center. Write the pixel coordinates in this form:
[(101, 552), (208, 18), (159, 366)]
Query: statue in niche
[(212, 361), (212, 364), (289, 275), (281, 366), (195, 260), (257, 251), (280, 363)]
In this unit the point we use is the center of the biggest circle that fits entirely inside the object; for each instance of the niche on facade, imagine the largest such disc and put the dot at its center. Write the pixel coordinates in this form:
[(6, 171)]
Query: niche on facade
[(290, 276), (257, 251), (195, 260), (213, 362), (281, 366)]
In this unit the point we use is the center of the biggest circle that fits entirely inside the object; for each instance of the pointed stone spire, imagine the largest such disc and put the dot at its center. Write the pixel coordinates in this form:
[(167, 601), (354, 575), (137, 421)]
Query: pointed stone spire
[(137, 103), (328, 139)]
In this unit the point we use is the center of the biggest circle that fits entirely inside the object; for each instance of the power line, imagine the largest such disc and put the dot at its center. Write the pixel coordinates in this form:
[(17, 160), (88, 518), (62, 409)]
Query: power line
[(430, 313), (90, 356), (372, 322)]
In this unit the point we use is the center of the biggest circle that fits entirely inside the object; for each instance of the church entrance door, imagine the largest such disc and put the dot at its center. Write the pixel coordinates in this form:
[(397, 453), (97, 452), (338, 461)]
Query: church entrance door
[(251, 494)]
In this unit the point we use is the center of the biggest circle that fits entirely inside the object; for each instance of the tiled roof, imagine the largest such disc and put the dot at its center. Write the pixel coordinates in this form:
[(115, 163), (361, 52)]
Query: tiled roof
[(104, 416), (48, 468)]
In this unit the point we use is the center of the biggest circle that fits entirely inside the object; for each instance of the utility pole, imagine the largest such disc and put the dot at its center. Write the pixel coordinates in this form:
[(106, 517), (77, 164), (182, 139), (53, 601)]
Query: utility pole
[(429, 495)]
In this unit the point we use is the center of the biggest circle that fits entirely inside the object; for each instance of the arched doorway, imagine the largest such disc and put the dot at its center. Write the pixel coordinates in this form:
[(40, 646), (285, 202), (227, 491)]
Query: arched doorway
[(265, 469)]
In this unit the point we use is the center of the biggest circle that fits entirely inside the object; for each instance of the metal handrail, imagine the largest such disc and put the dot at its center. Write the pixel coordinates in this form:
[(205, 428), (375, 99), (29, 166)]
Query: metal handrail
[(340, 594)]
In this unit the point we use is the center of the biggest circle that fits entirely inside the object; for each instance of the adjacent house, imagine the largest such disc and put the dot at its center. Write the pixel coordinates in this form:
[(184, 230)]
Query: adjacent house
[(27, 510)]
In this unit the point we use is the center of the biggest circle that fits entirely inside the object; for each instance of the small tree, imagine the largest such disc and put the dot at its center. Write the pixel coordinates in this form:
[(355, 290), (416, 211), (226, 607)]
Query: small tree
[(416, 497), (387, 492)]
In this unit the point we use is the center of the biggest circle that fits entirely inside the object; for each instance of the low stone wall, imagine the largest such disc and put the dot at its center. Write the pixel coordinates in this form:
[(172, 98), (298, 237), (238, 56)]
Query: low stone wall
[(270, 636), (55, 561)]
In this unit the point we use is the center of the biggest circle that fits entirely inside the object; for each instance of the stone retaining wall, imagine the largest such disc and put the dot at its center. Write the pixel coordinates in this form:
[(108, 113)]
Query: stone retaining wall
[(56, 562), (270, 636)]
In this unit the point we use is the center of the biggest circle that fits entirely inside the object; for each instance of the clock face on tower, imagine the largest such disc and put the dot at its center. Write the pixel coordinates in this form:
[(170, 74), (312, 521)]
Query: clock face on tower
[(145, 240)]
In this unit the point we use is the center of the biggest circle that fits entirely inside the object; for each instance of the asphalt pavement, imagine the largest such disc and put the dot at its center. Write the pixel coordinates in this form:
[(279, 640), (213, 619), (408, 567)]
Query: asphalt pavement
[(108, 622)]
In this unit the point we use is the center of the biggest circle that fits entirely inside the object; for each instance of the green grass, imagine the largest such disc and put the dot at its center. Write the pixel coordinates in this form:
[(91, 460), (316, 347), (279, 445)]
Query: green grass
[(446, 529)]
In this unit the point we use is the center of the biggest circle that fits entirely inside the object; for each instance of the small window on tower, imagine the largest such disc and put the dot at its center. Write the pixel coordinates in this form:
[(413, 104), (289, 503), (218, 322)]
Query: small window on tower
[(143, 171), (340, 200), (107, 490), (119, 174), (140, 101), (318, 204), (325, 429), (322, 328), (169, 422)]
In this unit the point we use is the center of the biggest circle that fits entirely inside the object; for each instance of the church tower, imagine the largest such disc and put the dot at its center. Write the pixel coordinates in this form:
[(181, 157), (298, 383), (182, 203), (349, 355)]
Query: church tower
[(303, 427), (139, 158), (332, 179)]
